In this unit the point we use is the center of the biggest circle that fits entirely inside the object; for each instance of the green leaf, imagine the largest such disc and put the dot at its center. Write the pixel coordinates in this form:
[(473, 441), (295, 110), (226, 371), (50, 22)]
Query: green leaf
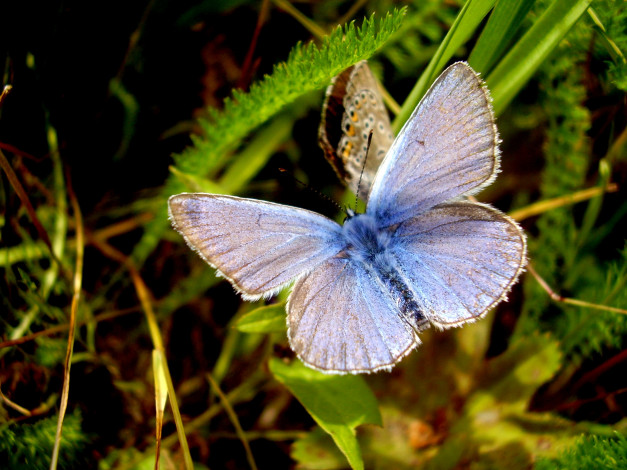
[(317, 451), (338, 403), (268, 319), (525, 57), (501, 28)]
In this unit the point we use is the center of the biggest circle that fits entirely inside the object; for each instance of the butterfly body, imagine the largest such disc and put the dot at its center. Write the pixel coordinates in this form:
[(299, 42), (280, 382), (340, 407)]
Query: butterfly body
[(420, 255), (364, 239), (371, 249)]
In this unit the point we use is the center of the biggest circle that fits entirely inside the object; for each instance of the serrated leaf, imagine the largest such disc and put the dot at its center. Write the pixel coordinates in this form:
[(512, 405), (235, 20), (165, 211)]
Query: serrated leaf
[(591, 452), (309, 67)]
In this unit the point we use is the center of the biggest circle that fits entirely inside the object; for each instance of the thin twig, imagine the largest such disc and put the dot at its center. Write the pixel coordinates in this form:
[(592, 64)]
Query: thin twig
[(15, 406), (65, 326), (309, 25), (247, 66), (594, 374), (543, 206), (351, 12), (568, 300), (5, 92), (120, 228)]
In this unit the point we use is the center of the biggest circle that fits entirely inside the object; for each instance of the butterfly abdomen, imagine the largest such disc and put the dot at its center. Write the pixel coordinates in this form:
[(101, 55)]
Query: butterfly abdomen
[(367, 244), (401, 295)]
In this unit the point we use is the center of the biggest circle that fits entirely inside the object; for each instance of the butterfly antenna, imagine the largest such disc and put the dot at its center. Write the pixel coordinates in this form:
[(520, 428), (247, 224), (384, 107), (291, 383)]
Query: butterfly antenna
[(317, 192), (363, 167)]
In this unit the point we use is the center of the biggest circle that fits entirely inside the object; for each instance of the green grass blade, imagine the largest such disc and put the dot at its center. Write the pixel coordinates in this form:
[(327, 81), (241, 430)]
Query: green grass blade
[(523, 59), (498, 33), (256, 155), (266, 319), (469, 18)]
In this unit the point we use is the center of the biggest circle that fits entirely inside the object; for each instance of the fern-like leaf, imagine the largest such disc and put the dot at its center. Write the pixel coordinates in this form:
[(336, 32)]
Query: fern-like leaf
[(308, 67)]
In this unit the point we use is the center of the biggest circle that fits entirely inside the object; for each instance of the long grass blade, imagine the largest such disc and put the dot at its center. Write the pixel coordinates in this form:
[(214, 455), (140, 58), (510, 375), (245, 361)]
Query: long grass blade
[(77, 286), (503, 24), (521, 62), (467, 21)]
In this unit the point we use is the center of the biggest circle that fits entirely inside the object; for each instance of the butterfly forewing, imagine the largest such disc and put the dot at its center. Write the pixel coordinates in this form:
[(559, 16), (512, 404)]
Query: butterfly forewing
[(341, 321), (459, 260), (447, 148), (259, 246)]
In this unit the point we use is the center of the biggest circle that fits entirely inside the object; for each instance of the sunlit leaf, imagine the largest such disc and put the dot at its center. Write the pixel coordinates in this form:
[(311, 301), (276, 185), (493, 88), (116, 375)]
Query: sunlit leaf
[(338, 403)]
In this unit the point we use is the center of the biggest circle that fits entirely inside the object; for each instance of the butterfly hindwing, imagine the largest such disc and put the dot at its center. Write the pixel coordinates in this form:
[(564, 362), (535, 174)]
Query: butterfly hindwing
[(459, 259), (340, 320), (259, 246)]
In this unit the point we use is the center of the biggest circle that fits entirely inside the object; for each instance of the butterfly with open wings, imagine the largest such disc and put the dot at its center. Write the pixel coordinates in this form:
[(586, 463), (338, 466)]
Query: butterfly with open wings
[(420, 255)]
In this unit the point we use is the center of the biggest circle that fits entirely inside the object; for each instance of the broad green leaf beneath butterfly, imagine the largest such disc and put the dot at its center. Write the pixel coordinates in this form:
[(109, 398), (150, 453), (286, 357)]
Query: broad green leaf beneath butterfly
[(338, 403)]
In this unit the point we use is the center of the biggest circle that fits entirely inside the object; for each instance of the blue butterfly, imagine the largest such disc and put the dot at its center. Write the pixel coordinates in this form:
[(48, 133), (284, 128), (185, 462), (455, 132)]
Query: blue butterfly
[(420, 255)]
